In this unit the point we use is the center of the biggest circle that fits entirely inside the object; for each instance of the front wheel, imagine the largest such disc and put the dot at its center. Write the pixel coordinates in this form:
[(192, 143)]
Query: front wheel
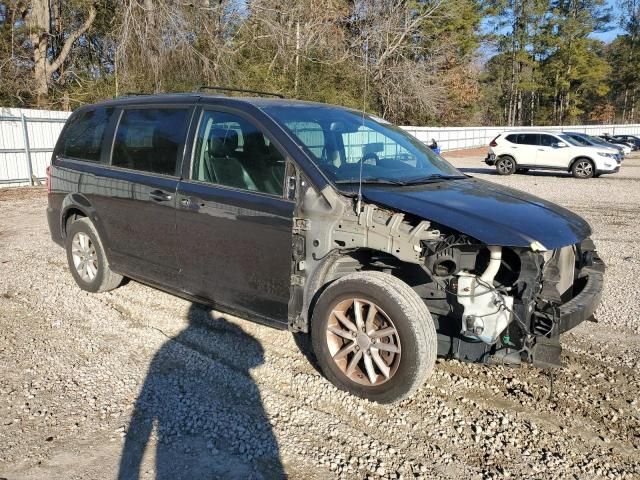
[(583, 168), (505, 165), (373, 336)]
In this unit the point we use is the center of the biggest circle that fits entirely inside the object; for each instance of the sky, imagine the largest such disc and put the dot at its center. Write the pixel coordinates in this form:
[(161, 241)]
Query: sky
[(611, 34)]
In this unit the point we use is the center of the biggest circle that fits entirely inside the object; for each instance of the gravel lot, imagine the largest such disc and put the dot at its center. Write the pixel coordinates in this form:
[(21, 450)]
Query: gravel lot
[(136, 382)]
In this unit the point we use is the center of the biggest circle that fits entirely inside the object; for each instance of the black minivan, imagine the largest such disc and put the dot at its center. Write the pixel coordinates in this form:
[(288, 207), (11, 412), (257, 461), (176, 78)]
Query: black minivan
[(320, 220)]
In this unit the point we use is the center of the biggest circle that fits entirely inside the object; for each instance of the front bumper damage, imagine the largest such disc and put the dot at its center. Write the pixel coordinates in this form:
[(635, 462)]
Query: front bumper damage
[(551, 321)]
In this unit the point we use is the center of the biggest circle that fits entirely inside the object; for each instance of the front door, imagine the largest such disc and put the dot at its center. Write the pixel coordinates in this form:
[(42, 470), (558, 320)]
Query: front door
[(233, 223)]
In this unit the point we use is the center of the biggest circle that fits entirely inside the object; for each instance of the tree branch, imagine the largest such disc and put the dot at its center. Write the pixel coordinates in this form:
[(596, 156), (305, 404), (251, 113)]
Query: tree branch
[(75, 35)]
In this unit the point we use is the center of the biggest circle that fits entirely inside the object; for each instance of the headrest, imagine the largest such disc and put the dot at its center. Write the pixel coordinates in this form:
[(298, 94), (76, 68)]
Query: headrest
[(273, 151), (254, 143), (162, 139), (222, 141)]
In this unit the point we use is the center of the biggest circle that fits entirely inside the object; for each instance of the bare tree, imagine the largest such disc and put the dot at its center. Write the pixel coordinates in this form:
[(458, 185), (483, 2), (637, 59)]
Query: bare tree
[(163, 42), (37, 16)]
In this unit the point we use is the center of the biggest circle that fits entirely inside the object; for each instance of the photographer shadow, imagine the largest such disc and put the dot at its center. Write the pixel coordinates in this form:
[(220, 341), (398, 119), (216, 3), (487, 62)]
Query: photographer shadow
[(201, 408)]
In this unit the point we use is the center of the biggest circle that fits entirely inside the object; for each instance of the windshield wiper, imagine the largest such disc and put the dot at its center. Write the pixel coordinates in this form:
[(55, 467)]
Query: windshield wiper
[(431, 178), (371, 180)]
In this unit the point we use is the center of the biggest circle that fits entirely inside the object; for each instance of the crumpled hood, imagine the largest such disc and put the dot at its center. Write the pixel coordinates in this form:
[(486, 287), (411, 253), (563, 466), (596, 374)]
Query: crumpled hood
[(491, 213)]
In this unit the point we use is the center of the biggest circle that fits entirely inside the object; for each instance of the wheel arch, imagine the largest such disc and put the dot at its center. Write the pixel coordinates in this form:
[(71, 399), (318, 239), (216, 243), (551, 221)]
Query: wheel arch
[(340, 263), (77, 205), (508, 155)]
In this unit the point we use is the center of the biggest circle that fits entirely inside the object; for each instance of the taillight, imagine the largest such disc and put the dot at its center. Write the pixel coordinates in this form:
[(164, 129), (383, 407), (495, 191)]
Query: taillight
[(48, 181), (493, 142)]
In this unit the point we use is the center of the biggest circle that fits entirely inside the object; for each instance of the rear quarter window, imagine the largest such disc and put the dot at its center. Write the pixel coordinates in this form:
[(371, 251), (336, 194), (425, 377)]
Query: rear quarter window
[(83, 137)]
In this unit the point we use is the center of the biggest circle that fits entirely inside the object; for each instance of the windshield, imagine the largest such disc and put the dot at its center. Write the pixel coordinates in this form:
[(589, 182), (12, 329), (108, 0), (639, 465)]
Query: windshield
[(601, 142), (342, 141), (580, 140), (570, 140)]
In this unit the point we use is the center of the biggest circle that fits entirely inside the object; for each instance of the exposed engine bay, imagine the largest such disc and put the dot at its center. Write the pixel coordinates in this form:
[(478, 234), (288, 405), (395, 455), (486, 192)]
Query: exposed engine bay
[(505, 304), (491, 304)]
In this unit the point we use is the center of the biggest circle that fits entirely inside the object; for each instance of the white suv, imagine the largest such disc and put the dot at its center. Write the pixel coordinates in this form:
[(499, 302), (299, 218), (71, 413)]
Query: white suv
[(520, 151)]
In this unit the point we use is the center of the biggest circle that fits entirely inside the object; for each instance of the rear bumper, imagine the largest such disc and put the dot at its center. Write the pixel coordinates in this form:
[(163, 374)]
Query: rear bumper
[(53, 218), (491, 159)]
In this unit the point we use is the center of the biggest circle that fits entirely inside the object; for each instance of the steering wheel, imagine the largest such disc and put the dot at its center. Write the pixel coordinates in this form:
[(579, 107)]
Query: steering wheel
[(370, 156)]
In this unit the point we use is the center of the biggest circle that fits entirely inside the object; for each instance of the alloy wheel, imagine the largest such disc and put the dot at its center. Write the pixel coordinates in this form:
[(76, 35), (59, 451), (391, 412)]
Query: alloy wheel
[(584, 169), (85, 259), (363, 342), (505, 165)]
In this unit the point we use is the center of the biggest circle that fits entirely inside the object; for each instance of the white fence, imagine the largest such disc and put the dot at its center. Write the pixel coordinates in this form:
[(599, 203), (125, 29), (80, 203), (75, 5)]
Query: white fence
[(27, 138), (469, 137)]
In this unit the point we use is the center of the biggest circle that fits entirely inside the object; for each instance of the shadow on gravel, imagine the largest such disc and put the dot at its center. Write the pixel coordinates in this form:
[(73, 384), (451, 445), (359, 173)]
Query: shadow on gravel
[(202, 408)]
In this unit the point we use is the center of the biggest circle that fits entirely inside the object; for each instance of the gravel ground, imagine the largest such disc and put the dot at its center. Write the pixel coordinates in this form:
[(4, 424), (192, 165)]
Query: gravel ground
[(138, 384)]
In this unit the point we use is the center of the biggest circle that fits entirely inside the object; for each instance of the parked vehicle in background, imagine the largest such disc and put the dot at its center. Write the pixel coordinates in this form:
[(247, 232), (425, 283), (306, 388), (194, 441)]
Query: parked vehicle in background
[(626, 148), (520, 151), (322, 220), (591, 141), (633, 140)]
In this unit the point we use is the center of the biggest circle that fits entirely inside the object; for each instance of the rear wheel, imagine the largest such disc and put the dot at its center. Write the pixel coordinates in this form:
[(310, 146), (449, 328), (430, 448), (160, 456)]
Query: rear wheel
[(505, 165), (373, 336), (87, 260), (583, 168)]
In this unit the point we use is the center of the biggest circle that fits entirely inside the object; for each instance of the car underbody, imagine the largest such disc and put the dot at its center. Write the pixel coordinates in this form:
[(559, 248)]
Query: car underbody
[(493, 304)]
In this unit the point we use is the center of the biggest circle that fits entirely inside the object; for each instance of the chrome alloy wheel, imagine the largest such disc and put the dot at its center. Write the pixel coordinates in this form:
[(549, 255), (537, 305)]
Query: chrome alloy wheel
[(505, 165), (85, 259), (363, 342), (584, 168)]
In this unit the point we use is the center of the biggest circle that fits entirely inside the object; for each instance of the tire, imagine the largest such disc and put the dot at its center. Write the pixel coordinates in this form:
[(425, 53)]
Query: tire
[(505, 165), (398, 308), (97, 277), (583, 168)]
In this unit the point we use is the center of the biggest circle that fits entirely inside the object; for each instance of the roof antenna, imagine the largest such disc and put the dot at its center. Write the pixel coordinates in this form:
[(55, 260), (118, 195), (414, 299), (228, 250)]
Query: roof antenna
[(364, 107)]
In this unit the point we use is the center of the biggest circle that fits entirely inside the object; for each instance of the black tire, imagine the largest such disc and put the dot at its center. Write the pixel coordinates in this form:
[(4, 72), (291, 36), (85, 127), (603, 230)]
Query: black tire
[(104, 279), (505, 165), (415, 329), (583, 168)]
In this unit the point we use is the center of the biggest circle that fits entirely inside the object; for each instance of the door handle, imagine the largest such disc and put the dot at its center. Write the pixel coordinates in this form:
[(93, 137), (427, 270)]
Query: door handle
[(185, 201), (159, 196)]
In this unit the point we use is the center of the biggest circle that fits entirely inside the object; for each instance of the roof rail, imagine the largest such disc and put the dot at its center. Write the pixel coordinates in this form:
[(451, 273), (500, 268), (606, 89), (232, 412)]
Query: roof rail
[(241, 90), (133, 94)]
